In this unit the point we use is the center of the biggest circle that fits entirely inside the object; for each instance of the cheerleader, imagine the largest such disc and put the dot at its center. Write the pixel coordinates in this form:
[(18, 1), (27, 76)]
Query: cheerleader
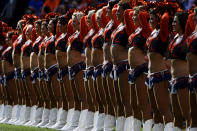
[(158, 74), (41, 74), (191, 59), (88, 82), (119, 55), (16, 63), (97, 60), (37, 116), (107, 68), (50, 64), (180, 72), (76, 65), (61, 57), (139, 67), (29, 92), (10, 91)]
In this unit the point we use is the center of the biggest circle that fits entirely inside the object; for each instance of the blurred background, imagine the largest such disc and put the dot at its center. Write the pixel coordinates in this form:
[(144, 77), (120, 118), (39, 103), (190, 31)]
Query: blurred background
[(12, 10)]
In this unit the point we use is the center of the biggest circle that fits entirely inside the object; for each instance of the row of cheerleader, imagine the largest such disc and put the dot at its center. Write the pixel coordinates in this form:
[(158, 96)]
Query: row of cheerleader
[(122, 66)]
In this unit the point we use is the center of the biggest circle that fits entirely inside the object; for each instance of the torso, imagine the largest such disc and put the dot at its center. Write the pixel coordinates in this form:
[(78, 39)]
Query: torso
[(107, 44), (88, 47), (74, 50), (192, 53), (179, 66), (61, 48), (34, 53), (119, 44), (97, 44), (155, 52), (7, 60), (137, 43), (25, 54), (49, 56)]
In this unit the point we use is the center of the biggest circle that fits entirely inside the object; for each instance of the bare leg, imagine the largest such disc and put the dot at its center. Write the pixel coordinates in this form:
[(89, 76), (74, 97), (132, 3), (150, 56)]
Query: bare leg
[(183, 97), (56, 90), (44, 94), (125, 92), (120, 106), (142, 96), (69, 92), (157, 117), (31, 91), (79, 85), (102, 96), (178, 119), (51, 94), (162, 100), (193, 106), (12, 91), (112, 93)]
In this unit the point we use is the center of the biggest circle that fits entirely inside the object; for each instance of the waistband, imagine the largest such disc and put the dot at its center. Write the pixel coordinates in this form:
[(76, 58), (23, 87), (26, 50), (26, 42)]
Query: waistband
[(179, 83), (75, 69), (62, 72), (136, 72), (8, 77), (119, 68), (51, 71), (107, 68), (157, 77), (88, 72), (98, 70), (25, 73), (34, 75)]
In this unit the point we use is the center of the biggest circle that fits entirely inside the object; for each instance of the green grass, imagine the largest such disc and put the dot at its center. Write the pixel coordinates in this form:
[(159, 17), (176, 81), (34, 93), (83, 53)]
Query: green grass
[(6, 127)]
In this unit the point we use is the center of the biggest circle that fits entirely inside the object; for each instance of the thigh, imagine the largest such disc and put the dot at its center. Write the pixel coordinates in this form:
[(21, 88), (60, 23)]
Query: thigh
[(183, 97), (67, 88), (124, 87), (56, 87), (79, 84), (12, 89), (111, 89), (161, 94), (141, 90), (30, 89)]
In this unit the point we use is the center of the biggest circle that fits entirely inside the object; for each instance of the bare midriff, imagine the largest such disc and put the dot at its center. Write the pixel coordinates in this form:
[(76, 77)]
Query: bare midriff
[(25, 62), (135, 57), (6, 67), (88, 56), (16, 59), (192, 63), (106, 53), (156, 62), (33, 60), (61, 57), (179, 68), (40, 61), (118, 53), (50, 60), (97, 56), (73, 57)]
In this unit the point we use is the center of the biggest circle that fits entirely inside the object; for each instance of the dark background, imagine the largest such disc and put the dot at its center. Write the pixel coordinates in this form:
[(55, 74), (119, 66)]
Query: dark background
[(12, 10)]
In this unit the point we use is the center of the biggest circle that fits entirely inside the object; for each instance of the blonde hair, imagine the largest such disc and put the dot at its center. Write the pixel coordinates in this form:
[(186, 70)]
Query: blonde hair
[(98, 13), (78, 15), (91, 12), (139, 8)]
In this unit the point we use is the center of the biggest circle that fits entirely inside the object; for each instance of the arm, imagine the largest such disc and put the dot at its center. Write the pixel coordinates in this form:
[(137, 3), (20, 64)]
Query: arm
[(164, 27), (83, 28), (143, 18), (130, 27)]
